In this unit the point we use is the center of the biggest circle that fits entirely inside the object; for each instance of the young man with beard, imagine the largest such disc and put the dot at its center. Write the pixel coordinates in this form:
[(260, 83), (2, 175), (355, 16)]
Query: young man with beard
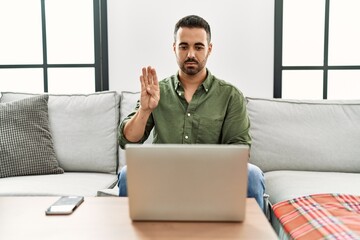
[(191, 107)]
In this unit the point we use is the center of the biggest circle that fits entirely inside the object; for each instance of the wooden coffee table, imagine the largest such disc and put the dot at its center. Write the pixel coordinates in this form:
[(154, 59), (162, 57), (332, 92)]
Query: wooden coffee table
[(108, 218)]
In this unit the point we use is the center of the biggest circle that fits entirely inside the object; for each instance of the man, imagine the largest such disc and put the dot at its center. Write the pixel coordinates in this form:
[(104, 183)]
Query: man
[(192, 106)]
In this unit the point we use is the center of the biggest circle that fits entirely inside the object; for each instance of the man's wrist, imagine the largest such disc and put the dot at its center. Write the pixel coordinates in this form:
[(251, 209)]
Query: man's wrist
[(144, 112)]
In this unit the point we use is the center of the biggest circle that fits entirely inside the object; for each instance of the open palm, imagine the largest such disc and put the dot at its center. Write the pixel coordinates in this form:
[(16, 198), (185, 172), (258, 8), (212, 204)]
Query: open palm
[(150, 91)]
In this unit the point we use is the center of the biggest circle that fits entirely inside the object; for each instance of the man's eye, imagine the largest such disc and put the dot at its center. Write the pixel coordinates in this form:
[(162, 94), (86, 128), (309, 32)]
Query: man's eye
[(199, 48), (183, 47)]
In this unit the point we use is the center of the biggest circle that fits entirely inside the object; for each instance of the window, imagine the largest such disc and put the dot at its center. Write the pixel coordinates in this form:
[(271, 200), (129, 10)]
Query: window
[(317, 50), (55, 46)]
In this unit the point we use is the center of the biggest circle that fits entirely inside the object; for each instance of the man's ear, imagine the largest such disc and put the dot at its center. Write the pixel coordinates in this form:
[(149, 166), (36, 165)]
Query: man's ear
[(209, 48), (174, 47)]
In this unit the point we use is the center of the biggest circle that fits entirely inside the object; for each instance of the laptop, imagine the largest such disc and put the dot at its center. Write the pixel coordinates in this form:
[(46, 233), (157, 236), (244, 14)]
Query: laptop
[(182, 182)]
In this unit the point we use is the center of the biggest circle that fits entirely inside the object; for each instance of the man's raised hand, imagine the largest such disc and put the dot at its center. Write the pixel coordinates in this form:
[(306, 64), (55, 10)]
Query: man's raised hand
[(150, 91)]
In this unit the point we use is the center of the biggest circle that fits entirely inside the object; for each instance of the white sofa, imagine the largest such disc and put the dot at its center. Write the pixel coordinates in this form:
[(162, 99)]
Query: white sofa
[(84, 133), (305, 147)]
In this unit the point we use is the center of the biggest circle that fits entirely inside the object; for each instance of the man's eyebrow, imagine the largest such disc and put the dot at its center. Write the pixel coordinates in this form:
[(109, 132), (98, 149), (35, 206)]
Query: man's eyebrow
[(200, 43), (196, 44)]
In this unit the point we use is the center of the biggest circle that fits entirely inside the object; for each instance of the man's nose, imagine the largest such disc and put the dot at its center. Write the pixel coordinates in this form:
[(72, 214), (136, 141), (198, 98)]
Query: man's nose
[(191, 53)]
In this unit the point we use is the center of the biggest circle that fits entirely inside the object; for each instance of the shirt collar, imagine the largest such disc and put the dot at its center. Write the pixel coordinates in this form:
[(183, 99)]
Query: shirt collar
[(206, 83)]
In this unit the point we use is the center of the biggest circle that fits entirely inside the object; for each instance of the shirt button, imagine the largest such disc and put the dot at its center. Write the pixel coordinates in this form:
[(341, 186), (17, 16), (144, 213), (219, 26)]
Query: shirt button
[(179, 93), (186, 137), (188, 114)]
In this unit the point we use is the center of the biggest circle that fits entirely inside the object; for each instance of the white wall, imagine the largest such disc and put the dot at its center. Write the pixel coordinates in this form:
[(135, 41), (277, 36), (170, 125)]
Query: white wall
[(141, 34)]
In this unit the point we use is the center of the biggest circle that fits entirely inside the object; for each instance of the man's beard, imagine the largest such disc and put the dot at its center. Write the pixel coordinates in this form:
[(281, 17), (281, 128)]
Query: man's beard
[(193, 69)]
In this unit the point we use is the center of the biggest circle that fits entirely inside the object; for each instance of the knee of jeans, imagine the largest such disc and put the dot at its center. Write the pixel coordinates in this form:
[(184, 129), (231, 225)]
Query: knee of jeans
[(122, 175), (255, 172), (256, 177), (123, 172)]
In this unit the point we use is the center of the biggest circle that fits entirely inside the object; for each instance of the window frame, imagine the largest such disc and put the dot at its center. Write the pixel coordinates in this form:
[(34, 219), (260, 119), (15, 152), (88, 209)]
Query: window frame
[(278, 61), (100, 64)]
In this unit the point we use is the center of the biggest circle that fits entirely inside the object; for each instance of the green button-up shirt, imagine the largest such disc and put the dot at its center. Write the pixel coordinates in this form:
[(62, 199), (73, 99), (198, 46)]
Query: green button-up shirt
[(216, 114)]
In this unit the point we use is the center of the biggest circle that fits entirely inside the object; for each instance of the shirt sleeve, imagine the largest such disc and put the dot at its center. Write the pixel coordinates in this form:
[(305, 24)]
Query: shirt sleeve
[(121, 137), (236, 124)]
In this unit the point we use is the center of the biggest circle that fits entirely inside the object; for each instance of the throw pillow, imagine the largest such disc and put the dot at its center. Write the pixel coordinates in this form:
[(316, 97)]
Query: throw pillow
[(26, 146), (83, 129)]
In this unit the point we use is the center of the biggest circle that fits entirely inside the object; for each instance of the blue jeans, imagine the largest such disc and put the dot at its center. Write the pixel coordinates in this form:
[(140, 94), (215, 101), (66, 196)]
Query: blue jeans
[(256, 184)]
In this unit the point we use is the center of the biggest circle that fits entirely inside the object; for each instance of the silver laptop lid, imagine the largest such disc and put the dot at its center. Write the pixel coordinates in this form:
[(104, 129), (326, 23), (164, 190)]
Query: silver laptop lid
[(170, 182)]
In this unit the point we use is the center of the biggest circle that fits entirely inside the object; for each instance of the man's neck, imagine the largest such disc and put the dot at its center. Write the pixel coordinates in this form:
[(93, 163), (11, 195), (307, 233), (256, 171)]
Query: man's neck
[(192, 82)]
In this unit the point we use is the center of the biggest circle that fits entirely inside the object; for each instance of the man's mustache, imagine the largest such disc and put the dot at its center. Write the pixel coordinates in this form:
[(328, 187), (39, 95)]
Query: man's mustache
[(192, 60)]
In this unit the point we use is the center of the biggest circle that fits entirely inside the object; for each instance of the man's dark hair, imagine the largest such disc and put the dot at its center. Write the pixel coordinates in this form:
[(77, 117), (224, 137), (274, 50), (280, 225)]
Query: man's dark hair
[(193, 21)]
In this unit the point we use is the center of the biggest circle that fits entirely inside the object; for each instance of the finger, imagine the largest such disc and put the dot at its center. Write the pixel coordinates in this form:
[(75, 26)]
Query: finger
[(144, 78), (143, 87), (144, 72), (150, 76), (154, 76), (150, 80)]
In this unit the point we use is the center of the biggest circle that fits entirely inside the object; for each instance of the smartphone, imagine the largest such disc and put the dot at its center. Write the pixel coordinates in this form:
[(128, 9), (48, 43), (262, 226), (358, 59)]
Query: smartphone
[(64, 205)]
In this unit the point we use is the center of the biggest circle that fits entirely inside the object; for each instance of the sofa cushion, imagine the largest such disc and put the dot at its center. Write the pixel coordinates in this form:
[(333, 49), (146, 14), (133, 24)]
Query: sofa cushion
[(128, 102), (69, 183), (109, 192), (285, 185), (26, 146), (318, 135), (84, 129)]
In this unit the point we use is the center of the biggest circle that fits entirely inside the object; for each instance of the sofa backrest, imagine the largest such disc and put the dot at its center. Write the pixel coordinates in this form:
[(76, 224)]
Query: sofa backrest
[(83, 128), (318, 135)]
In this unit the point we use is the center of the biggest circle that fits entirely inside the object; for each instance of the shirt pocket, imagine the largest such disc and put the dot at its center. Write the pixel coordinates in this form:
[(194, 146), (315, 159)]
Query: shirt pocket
[(209, 131)]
